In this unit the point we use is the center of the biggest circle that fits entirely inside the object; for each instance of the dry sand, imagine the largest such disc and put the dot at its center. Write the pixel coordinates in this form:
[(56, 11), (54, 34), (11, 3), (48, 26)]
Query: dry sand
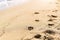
[(14, 21)]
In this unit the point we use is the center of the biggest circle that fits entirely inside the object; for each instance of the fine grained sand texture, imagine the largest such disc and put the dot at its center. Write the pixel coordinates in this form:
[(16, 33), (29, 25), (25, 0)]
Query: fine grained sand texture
[(14, 21)]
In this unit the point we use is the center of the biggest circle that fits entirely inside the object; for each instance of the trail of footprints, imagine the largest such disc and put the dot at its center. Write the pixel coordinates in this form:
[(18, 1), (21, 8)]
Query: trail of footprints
[(49, 30), (45, 34)]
